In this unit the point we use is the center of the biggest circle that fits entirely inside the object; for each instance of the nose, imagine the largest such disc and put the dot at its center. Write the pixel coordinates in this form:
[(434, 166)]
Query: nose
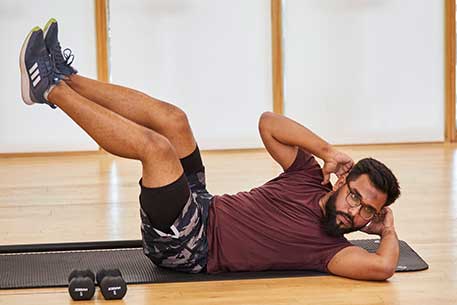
[(353, 211)]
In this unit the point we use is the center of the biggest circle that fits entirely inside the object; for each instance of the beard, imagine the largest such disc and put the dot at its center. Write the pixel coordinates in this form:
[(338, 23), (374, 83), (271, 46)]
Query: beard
[(329, 220)]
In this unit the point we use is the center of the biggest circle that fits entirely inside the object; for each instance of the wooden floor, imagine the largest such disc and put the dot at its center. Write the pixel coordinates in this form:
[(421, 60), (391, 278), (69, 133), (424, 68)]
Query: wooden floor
[(94, 197)]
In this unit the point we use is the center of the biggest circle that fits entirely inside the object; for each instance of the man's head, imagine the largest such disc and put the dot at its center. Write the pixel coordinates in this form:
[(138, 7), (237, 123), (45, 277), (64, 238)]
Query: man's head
[(359, 196)]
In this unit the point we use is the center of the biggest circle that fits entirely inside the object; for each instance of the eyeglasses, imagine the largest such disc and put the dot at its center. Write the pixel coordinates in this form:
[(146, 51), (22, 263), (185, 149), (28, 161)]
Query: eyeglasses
[(366, 211)]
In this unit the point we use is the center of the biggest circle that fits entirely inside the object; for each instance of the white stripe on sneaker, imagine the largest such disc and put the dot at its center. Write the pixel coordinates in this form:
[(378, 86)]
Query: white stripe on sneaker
[(34, 75), (36, 81), (33, 68)]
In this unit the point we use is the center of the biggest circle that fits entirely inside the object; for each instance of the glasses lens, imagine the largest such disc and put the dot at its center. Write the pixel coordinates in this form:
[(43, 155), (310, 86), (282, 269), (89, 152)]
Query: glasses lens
[(367, 212), (353, 200)]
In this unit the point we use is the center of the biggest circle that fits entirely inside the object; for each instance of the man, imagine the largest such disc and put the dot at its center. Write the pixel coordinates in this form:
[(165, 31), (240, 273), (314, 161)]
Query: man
[(295, 221)]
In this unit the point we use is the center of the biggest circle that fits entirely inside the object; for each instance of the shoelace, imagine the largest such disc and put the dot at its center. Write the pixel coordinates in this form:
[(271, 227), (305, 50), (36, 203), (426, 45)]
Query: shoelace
[(68, 56), (64, 57)]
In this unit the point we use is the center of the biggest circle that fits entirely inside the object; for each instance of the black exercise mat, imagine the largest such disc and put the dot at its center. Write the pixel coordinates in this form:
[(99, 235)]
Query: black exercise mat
[(48, 265)]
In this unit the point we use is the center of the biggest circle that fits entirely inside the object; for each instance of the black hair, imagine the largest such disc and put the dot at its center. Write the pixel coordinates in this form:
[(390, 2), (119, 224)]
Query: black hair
[(380, 176)]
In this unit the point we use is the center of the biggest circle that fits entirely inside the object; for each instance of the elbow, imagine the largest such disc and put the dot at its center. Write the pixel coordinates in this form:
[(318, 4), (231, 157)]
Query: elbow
[(385, 272), (388, 272), (264, 121), (267, 114)]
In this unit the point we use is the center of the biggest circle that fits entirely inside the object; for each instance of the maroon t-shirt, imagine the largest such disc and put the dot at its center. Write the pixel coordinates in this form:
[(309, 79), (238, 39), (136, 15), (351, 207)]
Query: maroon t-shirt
[(274, 226)]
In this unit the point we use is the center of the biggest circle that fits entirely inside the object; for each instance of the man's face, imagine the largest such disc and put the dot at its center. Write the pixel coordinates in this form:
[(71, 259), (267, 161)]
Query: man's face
[(341, 218)]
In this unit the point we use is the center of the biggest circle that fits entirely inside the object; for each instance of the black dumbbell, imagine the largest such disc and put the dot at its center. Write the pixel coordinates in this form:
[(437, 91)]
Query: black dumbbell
[(112, 284), (81, 285)]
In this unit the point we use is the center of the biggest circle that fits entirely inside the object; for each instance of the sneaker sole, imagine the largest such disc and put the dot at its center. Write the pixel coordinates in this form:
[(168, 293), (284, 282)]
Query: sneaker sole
[(25, 83)]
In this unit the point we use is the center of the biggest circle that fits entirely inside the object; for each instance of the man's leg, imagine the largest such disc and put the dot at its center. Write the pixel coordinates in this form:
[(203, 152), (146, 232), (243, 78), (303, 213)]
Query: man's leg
[(162, 117), (162, 172), (121, 136), (164, 189)]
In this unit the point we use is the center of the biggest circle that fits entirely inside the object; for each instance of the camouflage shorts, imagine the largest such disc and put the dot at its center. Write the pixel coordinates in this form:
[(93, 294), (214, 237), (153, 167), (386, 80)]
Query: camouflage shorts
[(186, 249)]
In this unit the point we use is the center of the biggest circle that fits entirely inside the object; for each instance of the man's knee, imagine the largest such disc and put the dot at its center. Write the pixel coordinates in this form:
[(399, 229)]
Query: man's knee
[(156, 146), (178, 120)]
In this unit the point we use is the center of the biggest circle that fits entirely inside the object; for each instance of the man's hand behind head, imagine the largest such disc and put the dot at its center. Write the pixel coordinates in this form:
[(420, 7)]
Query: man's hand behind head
[(337, 163), (381, 223)]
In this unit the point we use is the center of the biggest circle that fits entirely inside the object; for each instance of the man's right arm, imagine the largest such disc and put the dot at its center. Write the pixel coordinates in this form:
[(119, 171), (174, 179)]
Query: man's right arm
[(357, 263), (282, 137)]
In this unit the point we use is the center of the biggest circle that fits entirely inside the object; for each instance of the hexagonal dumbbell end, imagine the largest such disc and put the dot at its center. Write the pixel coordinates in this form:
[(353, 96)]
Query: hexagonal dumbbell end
[(111, 284), (81, 285)]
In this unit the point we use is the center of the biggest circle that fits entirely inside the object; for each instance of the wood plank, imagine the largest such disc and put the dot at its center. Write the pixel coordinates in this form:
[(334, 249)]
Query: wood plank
[(450, 115), (277, 57), (101, 28)]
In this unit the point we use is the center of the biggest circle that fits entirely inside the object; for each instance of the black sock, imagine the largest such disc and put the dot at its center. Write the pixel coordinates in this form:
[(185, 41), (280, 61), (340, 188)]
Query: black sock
[(192, 163)]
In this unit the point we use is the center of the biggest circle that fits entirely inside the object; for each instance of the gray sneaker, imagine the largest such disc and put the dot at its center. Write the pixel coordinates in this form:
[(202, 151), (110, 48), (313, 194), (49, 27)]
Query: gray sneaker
[(38, 72), (63, 59)]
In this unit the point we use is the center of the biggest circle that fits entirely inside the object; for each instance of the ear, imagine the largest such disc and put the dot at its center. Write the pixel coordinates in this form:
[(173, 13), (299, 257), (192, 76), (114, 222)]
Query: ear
[(340, 182)]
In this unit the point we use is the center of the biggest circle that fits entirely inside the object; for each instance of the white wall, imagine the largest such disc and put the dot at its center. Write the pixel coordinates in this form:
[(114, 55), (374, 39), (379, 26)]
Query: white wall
[(211, 58), (37, 128), (366, 71), (356, 71)]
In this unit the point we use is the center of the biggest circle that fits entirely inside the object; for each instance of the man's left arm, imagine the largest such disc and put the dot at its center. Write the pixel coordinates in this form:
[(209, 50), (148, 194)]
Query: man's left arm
[(357, 263)]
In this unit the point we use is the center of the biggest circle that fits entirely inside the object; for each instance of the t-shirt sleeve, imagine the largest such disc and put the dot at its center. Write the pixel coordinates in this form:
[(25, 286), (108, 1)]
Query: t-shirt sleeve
[(303, 161), (331, 253)]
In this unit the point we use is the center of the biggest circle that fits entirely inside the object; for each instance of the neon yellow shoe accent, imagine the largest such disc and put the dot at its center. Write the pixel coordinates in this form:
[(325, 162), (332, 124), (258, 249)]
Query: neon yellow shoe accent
[(48, 24)]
